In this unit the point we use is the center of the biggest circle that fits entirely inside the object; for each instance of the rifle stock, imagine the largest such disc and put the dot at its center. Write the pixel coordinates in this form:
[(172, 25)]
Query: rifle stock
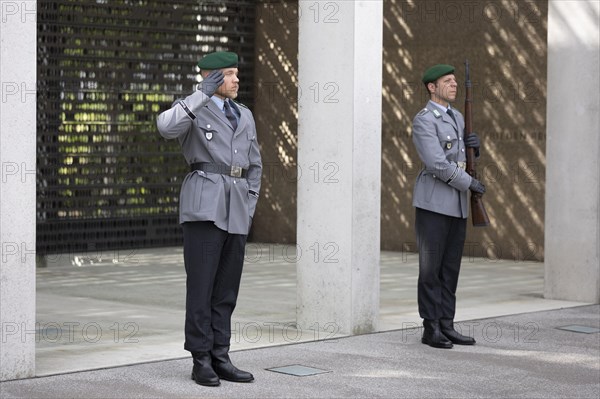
[(478, 213)]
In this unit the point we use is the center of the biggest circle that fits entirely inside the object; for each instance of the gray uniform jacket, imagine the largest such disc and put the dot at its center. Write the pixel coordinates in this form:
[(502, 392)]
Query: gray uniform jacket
[(443, 184), (206, 135)]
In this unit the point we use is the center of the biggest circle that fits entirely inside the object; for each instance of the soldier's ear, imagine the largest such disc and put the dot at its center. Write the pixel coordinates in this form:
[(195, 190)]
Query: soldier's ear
[(431, 87)]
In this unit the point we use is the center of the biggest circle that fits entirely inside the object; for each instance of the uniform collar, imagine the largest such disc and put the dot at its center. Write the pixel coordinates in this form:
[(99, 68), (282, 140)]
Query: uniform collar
[(219, 102), (440, 106)]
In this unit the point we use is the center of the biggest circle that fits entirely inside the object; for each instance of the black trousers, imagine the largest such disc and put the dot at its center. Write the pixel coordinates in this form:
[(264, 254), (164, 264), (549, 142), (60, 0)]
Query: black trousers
[(440, 239), (213, 265)]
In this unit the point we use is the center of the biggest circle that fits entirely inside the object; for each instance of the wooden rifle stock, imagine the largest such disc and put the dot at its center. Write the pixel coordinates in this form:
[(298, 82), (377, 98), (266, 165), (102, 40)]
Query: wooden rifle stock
[(478, 213)]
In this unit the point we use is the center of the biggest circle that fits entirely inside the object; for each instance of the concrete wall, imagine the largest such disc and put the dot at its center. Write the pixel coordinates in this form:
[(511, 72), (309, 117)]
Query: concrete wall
[(505, 43), (17, 188), (572, 269), (339, 144)]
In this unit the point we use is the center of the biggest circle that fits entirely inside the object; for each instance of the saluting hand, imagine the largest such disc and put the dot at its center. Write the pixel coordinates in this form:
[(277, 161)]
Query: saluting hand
[(211, 82)]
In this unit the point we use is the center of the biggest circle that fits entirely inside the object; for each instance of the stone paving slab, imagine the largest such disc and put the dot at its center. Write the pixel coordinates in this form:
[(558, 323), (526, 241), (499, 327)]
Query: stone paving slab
[(517, 356), (123, 307)]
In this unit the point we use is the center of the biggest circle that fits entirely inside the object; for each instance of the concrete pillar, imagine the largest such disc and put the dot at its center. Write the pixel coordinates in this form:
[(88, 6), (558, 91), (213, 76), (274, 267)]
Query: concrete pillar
[(572, 153), (339, 161), (17, 190)]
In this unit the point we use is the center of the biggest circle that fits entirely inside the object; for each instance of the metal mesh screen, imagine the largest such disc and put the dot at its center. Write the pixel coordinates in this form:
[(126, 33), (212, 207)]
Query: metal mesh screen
[(106, 179)]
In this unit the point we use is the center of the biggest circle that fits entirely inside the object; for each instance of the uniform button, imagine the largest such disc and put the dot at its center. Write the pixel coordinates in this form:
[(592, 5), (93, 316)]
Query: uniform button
[(235, 182), (448, 137), (235, 151), (463, 150)]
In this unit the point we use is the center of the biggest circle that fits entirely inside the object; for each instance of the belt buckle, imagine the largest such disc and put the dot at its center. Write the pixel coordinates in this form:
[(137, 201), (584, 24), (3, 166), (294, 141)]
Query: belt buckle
[(236, 171)]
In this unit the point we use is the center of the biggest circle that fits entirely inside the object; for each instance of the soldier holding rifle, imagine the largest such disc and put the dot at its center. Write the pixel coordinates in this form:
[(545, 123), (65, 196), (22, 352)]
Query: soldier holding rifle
[(440, 199)]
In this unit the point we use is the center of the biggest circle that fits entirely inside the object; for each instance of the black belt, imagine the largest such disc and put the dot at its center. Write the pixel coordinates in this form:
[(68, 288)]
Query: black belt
[(220, 168)]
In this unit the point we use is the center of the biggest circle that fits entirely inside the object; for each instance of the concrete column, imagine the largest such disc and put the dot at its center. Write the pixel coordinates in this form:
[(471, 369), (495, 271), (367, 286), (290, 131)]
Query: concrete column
[(339, 161), (17, 190), (572, 153)]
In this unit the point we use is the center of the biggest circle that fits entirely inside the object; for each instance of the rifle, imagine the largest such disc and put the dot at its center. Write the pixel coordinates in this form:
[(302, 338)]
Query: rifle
[(478, 213)]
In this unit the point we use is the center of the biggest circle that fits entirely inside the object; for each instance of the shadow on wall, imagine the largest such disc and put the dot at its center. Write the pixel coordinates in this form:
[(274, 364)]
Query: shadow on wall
[(505, 43), (276, 114)]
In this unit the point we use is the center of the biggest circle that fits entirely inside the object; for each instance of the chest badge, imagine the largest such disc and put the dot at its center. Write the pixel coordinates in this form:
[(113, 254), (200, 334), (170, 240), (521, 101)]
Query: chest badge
[(448, 145), (208, 135)]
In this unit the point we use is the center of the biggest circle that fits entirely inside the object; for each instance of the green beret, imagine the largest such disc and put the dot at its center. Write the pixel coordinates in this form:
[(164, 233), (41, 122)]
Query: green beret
[(436, 72), (218, 60)]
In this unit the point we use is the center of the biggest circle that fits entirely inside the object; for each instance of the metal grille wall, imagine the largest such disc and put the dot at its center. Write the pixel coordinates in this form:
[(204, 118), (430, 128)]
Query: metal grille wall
[(106, 179)]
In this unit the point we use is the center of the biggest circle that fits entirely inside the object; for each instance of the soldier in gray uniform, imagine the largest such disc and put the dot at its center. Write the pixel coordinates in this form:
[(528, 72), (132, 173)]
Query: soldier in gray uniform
[(217, 202), (440, 199)]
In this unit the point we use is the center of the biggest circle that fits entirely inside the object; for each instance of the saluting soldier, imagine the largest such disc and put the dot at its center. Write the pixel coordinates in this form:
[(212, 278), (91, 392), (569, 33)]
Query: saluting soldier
[(217, 202), (440, 199)]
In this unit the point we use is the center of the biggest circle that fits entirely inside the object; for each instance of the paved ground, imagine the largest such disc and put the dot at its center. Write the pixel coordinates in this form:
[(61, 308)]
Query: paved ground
[(125, 308), (518, 356)]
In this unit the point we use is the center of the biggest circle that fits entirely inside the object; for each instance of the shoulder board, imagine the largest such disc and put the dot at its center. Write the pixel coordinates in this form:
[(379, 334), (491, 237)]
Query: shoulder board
[(437, 113), (423, 112), (240, 104)]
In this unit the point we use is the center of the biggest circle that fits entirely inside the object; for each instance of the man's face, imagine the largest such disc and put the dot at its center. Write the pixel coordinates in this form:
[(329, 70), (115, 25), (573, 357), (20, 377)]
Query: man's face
[(231, 85), (444, 89)]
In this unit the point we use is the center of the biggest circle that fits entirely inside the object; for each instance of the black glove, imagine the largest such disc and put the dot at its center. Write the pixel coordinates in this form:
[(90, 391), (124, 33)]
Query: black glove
[(472, 141), (211, 82), (476, 186)]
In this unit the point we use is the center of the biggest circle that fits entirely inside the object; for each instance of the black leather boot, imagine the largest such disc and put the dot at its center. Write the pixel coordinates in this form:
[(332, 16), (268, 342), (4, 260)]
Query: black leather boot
[(432, 335), (447, 327), (225, 369), (203, 372)]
